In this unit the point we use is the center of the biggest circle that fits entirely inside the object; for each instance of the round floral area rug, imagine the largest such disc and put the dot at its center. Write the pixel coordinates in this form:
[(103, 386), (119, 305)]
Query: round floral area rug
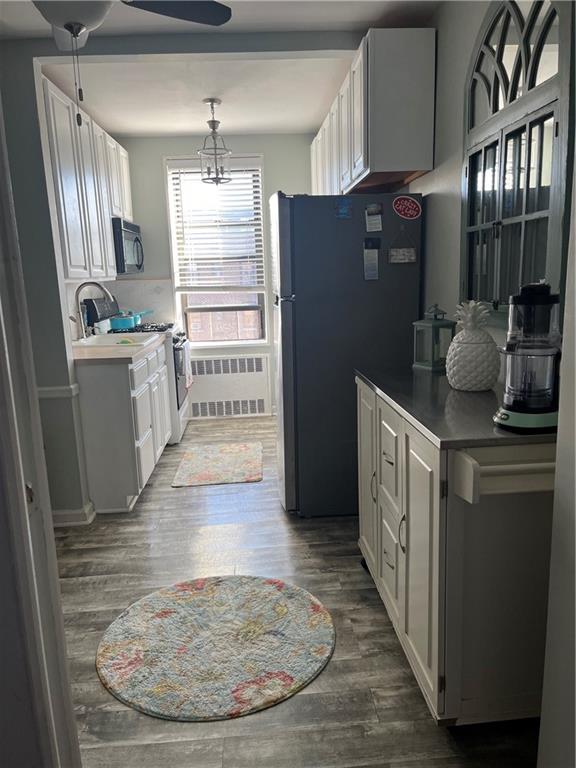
[(215, 648)]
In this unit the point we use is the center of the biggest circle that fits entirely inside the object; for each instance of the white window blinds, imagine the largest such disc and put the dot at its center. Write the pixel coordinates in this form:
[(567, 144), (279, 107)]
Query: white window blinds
[(217, 238)]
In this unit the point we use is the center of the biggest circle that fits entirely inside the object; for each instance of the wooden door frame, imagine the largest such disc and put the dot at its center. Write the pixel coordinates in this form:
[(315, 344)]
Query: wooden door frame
[(27, 513)]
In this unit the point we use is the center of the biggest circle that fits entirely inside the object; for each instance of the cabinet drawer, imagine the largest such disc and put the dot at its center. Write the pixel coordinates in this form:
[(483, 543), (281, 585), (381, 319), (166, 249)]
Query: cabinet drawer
[(389, 561), (390, 426), (138, 374), (161, 353), (142, 411), (152, 360), (146, 458)]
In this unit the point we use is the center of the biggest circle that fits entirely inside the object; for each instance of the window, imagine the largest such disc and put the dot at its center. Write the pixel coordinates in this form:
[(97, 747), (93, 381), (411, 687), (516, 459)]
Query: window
[(516, 147), (218, 252)]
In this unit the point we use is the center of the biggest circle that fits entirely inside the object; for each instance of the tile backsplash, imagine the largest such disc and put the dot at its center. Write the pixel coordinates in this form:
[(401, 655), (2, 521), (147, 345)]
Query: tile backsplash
[(132, 293)]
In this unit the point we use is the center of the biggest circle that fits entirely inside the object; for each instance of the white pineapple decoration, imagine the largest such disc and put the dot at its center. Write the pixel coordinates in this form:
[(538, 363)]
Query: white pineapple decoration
[(473, 361)]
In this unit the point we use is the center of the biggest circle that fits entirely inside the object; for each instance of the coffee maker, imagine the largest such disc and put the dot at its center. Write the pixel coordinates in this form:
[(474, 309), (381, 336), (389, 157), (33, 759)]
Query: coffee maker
[(532, 360)]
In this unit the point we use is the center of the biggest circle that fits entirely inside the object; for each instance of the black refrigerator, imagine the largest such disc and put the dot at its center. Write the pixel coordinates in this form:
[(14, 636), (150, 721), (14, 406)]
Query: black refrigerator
[(346, 279)]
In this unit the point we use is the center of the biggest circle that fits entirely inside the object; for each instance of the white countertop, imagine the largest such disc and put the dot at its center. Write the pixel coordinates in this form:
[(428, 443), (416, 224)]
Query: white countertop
[(127, 348)]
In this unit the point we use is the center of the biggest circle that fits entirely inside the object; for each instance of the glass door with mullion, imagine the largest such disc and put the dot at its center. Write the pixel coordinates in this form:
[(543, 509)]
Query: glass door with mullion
[(524, 227), (483, 209)]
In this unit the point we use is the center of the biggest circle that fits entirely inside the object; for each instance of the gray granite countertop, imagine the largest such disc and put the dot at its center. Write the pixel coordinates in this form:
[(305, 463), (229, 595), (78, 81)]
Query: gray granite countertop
[(449, 418)]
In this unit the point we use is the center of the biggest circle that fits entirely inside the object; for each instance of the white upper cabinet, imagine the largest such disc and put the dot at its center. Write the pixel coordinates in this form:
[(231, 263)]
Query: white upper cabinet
[(384, 112), (113, 159), (313, 167), (333, 159), (320, 175), (358, 115), (95, 239), (327, 147), (125, 183), (345, 160), (67, 178), (100, 138), (91, 179)]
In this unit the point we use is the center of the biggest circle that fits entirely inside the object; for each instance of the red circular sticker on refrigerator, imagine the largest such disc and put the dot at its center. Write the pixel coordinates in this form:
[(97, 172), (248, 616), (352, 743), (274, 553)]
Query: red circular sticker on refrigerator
[(407, 207)]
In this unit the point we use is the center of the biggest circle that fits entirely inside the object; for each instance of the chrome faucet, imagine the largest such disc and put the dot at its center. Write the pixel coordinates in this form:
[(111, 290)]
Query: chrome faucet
[(88, 283)]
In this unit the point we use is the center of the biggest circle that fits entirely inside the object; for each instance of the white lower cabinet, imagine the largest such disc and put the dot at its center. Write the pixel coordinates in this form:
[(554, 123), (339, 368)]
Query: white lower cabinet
[(125, 412), (146, 456), (418, 566), (457, 542), (158, 416), (366, 407), (165, 401)]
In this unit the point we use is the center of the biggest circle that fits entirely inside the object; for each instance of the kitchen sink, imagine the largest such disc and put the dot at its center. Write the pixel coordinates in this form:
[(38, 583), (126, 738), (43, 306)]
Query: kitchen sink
[(118, 339)]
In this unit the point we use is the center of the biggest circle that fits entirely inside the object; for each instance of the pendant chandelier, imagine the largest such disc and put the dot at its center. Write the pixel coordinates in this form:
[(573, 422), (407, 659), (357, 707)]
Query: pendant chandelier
[(214, 155)]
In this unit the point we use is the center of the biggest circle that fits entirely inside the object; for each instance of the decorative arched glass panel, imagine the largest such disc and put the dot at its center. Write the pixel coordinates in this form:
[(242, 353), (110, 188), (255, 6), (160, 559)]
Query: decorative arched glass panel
[(516, 150), (519, 52)]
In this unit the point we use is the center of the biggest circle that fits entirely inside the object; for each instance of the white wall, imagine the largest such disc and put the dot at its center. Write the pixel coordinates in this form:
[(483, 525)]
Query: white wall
[(286, 167)]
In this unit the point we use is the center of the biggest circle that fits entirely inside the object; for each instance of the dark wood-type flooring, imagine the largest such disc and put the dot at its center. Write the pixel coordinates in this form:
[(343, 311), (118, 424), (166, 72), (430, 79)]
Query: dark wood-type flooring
[(364, 709)]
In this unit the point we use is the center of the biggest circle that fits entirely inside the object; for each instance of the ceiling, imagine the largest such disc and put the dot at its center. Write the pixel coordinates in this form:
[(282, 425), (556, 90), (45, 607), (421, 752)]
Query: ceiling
[(162, 95), (19, 18)]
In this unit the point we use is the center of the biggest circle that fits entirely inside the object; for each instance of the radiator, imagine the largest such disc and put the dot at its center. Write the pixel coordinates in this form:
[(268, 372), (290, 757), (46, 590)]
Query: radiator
[(230, 386)]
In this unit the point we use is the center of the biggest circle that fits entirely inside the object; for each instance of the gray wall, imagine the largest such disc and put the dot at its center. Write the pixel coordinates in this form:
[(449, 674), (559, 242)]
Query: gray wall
[(556, 748), (457, 24)]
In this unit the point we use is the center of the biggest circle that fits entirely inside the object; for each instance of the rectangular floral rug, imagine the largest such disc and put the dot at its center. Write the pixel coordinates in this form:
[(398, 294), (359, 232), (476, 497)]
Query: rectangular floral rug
[(216, 463)]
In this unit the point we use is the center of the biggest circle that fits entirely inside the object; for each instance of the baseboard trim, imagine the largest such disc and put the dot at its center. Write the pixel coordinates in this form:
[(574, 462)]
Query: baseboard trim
[(72, 517), (131, 504), (66, 391)]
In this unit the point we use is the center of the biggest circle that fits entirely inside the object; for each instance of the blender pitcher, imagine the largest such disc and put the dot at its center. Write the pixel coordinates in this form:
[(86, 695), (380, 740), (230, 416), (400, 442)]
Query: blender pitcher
[(532, 358)]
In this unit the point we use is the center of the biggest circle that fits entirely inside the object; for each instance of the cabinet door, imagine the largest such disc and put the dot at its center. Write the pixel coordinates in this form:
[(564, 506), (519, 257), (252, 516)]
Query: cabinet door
[(313, 185), (345, 164), (334, 161), (105, 202), (67, 176), (320, 177), (126, 189), (358, 143), (92, 207), (326, 156), (145, 457), (419, 561), (367, 507), (390, 429), (142, 407), (113, 157), (389, 581), (157, 416), (165, 399)]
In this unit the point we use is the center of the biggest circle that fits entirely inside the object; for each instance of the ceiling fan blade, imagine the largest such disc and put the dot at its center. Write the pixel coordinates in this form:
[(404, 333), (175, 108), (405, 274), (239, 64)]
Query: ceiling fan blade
[(212, 13)]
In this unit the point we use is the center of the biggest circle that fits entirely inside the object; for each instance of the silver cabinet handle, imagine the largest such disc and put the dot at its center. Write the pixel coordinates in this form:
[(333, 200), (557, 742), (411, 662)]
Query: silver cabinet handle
[(387, 458), (389, 564), (372, 486), (400, 524)]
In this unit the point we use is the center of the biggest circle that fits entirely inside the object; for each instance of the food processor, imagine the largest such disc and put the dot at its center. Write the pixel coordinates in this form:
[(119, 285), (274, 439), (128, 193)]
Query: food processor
[(532, 359)]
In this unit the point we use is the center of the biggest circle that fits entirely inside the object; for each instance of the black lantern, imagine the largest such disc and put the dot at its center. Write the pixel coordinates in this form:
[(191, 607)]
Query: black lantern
[(432, 337)]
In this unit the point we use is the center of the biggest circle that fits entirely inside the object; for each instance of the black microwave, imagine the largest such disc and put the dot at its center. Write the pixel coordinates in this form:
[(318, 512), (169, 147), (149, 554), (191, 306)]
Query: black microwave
[(128, 247)]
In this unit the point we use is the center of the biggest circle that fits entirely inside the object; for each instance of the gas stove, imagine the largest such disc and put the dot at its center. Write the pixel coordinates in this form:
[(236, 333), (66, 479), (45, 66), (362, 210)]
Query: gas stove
[(146, 328)]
